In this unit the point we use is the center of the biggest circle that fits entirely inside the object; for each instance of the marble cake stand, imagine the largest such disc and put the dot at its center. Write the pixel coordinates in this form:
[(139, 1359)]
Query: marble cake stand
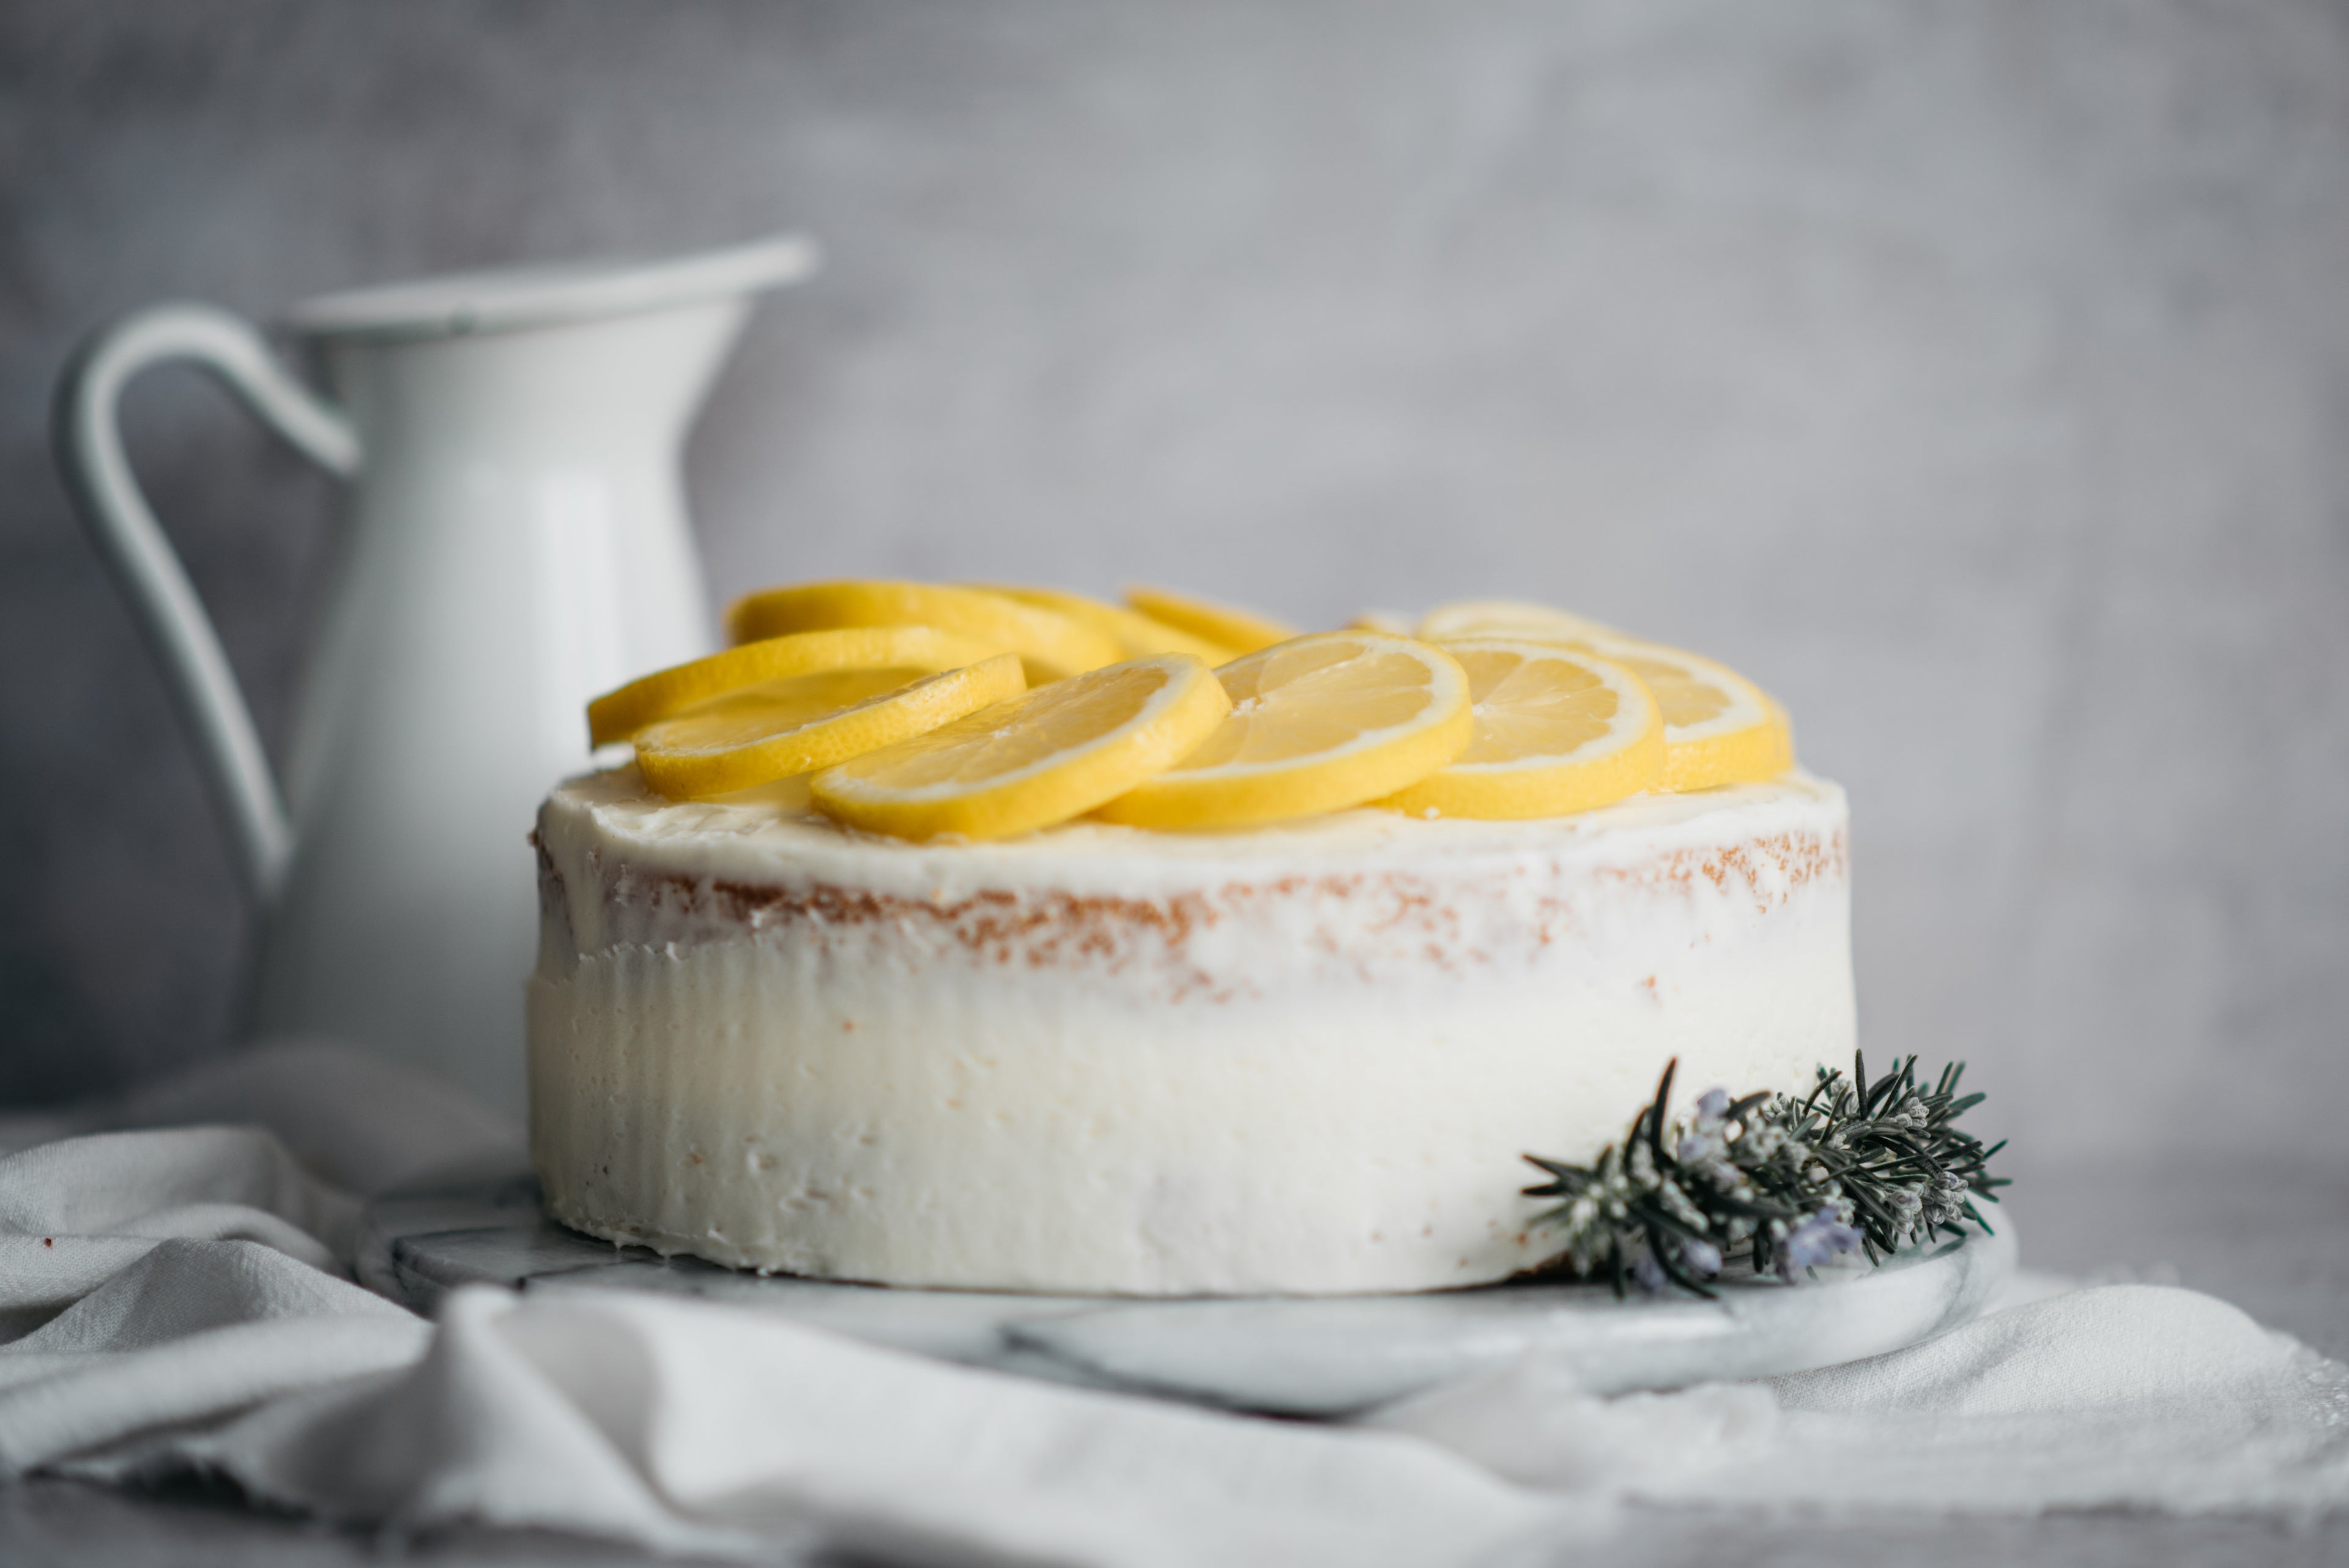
[(1286, 1356)]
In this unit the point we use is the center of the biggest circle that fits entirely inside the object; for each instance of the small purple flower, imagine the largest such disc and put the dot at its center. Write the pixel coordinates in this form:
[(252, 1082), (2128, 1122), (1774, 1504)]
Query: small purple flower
[(1815, 1240), (1699, 1257), (1649, 1273), (1712, 1104), (1693, 1149)]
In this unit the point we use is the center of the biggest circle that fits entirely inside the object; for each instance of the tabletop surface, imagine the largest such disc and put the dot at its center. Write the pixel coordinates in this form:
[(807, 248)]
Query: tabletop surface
[(2272, 1238)]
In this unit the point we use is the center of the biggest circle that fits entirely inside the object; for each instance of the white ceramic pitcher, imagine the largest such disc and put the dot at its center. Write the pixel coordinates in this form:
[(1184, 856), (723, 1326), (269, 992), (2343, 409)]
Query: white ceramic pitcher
[(514, 541)]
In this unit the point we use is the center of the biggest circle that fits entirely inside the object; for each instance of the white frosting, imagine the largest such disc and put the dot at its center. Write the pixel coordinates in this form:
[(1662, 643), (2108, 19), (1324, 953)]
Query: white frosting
[(1302, 1058)]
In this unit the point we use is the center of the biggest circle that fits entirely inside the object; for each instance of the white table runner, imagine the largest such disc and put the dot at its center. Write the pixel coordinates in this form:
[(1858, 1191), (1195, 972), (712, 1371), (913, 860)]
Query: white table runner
[(174, 1299)]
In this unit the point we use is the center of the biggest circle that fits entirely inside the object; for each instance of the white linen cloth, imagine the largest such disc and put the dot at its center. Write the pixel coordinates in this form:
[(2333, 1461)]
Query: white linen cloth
[(175, 1299)]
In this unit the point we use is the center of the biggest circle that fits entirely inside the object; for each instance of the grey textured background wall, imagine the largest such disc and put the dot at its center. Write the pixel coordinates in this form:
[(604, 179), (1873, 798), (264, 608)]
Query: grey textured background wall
[(1975, 374)]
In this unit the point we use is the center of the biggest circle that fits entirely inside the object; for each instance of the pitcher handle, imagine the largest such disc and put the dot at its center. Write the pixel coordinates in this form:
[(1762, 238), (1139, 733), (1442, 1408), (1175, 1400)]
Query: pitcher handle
[(87, 440)]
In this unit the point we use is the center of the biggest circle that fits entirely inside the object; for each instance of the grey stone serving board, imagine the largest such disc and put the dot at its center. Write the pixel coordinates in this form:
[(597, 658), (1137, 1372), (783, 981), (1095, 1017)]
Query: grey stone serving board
[(1292, 1355)]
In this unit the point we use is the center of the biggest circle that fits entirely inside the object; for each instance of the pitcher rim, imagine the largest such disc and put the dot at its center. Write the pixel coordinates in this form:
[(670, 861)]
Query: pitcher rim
[(514, 298)]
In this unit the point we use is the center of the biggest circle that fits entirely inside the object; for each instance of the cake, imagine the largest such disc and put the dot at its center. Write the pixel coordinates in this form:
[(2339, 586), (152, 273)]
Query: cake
[(1303, 1057)]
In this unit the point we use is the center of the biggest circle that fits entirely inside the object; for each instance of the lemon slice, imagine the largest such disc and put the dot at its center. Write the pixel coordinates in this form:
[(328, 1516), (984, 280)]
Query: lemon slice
[(1318, 723), (1719, 727), (1054, 754), (778, 728), (617, 715), (1394, 623), (1242, 631), (1463, 618), (1556, 732), (1138, 634), (1050, 644)]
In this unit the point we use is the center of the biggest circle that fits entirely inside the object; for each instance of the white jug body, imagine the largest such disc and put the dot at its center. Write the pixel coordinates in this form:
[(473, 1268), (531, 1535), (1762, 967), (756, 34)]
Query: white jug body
[(514, 540)]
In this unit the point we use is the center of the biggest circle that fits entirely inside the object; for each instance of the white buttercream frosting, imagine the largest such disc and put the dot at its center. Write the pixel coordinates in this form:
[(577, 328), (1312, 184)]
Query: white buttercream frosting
[(1302, 1058)]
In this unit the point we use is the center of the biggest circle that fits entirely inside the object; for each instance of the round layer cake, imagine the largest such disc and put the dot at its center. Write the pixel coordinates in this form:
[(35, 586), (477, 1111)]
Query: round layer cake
[(1104, 1060)]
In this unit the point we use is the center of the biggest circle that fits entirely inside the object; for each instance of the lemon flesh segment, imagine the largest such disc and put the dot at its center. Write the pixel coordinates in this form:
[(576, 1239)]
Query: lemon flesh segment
[(778, 728), (1463, 618), (1041, 759), (1138, 634), (1719, 727), (1052, 646), (1320, 722), (1555, 731), (618, 715), (1228, 626)]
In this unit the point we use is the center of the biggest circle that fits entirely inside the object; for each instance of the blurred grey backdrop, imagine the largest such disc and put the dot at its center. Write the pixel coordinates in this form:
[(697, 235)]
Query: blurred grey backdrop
[(1974, 374)]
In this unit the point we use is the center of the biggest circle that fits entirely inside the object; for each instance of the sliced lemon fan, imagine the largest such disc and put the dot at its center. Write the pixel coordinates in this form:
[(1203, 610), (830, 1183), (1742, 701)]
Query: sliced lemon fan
[(617, 715), (1052, 645), (1719, 727), (1318, 723), (778, 728), (1138, 634), (1242, 631), (1052, 754), (1463, 618), (1555, 731)]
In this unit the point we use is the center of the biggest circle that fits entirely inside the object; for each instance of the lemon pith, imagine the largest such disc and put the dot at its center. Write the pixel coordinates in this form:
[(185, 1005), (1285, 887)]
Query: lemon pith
[(1052, 645), (778, 728), (1320, 722), (1555, 731), (618, 714), (1229, 626), (1138, 634), (1034, 761)]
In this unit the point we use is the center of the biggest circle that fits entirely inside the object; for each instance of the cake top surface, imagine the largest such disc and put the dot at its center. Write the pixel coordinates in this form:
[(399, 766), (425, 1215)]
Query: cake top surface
[(771, 833)]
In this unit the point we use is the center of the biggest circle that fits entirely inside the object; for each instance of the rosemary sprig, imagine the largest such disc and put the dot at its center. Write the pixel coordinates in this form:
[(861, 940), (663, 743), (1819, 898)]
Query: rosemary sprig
[(1788, 1183)]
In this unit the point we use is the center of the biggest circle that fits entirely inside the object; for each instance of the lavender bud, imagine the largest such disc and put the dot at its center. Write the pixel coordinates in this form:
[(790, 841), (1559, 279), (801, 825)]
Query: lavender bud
[(1815, 1240)]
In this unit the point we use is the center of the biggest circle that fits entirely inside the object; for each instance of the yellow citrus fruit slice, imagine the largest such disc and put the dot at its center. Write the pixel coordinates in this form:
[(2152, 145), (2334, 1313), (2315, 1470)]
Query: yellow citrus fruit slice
[(1556, 732), (777, 727), (1054, 754), (1719, 727), (1318, 723), (1050, 644), (1242, 631), (1138, 634), (1394, 623), (1463, 618), (617, 715)]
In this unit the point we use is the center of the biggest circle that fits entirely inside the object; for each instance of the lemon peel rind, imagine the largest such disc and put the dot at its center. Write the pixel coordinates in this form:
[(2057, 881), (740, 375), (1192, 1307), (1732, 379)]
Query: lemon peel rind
[(1243, 631), (1058, 789), (1052, 645), (1140, 635), (1369, 767), (1761, 751), (1316, 789), (618, 714), (915, 708)]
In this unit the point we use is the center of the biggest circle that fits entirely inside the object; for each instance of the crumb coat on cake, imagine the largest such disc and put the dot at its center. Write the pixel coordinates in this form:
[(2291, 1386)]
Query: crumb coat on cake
[(1297, 1059)]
